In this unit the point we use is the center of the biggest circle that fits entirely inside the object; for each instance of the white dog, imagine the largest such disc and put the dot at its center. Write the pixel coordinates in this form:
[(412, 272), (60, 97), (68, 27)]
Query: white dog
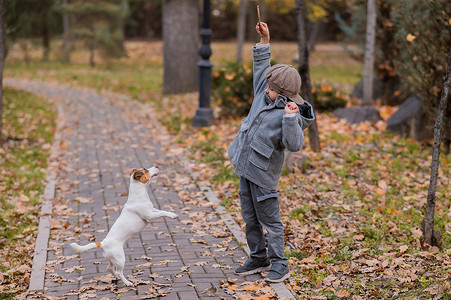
[(137, 212)]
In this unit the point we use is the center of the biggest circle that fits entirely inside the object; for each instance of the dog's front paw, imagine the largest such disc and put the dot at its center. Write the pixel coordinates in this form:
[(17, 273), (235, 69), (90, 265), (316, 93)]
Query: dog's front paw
[(172, 215)]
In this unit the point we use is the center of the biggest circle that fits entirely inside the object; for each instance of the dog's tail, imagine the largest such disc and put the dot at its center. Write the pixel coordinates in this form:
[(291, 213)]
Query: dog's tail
[(77, 248)]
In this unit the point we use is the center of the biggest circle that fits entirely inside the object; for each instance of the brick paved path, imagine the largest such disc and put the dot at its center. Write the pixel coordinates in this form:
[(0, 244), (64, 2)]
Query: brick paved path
[(102, 139)]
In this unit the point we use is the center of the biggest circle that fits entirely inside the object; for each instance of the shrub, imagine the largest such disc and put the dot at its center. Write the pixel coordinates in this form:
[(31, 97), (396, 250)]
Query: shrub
[(412, 46), (232, 88), (423, 33), (328, 98)]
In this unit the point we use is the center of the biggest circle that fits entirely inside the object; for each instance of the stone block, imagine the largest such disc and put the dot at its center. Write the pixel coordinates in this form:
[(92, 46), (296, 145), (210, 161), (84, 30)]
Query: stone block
[(356, 115)]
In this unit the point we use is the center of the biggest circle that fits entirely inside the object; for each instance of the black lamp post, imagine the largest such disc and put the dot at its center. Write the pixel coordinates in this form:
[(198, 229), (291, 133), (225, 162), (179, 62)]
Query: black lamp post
[(204, 115)]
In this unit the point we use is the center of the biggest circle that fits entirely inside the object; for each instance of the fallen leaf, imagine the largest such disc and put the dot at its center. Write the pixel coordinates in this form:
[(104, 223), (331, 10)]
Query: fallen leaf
[(84, 200), (250, 288), (403, 248), (54, 224), (410, 37), (372, 262), (211, 292), (359, 237), (342, 293), (264, 297)]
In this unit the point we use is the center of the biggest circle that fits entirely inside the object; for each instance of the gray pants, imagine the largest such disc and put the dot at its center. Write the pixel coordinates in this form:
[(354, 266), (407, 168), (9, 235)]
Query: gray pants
[(260, 208)]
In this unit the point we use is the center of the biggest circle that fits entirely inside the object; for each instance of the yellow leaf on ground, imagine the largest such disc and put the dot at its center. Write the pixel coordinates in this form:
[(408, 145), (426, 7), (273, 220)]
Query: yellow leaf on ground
[(83, 199), (264, 297), (55, 224), (250, 288), (342, 293), (403, 248), (364, 126), (372, 262), (201, 138), (379, 191), (382, 184), (386, 111), (23, 268), (416, 232), (410, 37), (359, 237)]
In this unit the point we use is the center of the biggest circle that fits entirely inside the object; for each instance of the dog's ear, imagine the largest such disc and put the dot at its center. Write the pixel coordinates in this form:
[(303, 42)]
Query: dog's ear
[(132, 171), (137, 175)]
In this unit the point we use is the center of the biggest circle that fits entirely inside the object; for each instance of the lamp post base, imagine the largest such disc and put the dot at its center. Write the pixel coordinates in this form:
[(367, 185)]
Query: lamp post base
[(204, 117)]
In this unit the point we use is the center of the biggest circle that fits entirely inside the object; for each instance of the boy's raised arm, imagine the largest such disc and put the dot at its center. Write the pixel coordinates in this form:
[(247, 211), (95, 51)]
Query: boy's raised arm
[(261, 58)]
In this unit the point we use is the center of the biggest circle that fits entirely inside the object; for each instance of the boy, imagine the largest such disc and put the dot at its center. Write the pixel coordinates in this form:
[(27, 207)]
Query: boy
[(275, 122)]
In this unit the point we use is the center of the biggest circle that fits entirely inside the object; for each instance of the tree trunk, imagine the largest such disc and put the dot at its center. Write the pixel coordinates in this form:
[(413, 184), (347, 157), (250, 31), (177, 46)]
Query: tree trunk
[(91, 54), (314, 35), (65, 48), (369, 53), (241, 30), (429, 236), (1, 67), (121, 41), (447, 132), (121, 27), (45, 41), (146, 22), (180, 46), (304, 70)]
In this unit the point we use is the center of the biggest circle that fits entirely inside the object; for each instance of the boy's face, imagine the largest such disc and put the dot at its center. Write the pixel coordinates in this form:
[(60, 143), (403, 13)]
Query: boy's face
[(271, 93)]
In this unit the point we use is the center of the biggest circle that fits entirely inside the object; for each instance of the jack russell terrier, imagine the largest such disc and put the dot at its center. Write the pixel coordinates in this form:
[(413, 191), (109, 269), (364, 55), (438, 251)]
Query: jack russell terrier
[(137, 212)]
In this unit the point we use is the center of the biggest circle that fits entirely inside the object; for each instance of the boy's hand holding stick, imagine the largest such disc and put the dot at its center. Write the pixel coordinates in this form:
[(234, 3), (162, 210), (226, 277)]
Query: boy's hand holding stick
[(262, 29)]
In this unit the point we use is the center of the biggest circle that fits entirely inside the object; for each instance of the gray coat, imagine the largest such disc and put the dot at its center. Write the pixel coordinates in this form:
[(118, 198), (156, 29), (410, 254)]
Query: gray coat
[(257, 152)]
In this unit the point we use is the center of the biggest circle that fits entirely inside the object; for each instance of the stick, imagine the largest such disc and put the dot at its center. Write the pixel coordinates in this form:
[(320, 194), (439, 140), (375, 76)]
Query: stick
[(258, 13)]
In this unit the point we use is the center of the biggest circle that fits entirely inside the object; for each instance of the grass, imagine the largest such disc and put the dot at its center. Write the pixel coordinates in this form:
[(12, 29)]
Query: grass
[(339, 75), (328, 65), (139, 81), (140, 74), (28, 129)]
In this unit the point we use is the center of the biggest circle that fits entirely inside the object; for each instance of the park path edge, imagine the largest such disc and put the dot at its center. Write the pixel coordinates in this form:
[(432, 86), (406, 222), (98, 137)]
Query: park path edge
[(37, 276)]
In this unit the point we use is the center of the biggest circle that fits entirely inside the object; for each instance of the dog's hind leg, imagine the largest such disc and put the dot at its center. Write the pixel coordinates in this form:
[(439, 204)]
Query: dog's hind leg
[(110, 269), (117, 265), (120, 273)]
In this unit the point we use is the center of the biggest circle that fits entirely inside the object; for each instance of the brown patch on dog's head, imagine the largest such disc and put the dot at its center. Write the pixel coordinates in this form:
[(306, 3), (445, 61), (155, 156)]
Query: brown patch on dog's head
[(141, 175)]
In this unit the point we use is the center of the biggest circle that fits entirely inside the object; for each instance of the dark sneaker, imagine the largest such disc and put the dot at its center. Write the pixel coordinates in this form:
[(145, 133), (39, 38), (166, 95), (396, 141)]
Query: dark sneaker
[(252, 266), (278, 273)]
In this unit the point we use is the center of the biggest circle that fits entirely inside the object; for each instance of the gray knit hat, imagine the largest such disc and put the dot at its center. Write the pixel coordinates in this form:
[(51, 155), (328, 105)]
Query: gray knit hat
[(285, 80)]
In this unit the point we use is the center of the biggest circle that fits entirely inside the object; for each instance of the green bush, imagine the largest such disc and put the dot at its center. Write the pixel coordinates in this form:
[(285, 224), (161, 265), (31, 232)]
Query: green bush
[(412, 46), (328, 98), (232, 88)]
